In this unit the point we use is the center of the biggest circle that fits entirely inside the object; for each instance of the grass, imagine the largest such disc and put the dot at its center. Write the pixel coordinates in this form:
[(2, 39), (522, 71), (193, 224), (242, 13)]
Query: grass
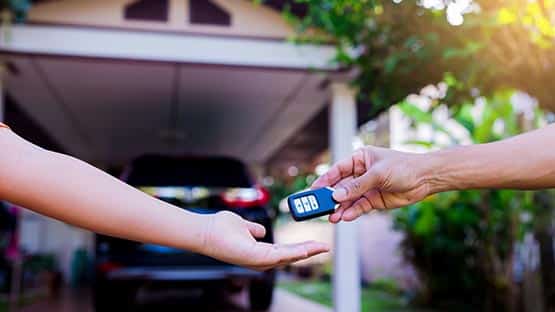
[(3, 306), (375, 300)]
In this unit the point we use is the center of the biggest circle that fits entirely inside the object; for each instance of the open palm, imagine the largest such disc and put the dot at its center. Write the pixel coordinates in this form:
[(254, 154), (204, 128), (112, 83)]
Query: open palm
[(232, 239)]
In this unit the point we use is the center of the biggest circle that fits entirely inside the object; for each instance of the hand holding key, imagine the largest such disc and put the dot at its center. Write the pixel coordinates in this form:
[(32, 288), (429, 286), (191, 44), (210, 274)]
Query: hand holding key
[(379, 178), (374, 178)]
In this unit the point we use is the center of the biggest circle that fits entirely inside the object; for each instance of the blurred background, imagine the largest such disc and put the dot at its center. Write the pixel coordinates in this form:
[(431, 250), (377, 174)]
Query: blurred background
[(234, 104)]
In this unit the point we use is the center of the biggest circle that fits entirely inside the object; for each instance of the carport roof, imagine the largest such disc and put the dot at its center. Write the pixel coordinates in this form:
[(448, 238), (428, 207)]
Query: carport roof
[(111, 110), (110, 95)]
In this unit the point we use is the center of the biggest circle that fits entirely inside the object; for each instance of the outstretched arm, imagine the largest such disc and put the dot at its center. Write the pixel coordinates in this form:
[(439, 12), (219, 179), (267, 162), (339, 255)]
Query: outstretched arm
[(523, 162), (378, 178), (72, 191)]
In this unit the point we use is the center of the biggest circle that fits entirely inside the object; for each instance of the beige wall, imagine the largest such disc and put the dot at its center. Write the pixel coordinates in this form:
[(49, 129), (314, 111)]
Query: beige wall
[(42, 235), (247, 19)]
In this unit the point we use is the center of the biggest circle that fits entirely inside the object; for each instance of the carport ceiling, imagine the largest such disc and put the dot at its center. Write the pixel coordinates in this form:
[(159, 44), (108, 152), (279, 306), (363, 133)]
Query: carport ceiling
[(111, 111)]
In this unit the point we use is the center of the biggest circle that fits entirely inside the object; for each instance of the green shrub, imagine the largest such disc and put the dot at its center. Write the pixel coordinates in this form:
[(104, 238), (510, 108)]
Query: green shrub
[(462, 244)]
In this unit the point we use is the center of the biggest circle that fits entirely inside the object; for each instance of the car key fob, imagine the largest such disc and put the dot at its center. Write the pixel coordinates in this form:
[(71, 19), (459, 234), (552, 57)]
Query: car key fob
[(312, 204)]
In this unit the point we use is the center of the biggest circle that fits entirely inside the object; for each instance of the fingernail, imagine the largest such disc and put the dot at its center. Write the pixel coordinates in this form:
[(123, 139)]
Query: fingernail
[(340, 194)]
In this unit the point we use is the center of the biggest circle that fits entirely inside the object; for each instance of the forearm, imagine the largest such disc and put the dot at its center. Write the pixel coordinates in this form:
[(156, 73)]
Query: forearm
[(77, 193), (523, 162)]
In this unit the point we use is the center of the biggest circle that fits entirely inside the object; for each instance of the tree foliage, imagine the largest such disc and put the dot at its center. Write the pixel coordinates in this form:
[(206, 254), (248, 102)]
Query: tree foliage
[(400, 47)]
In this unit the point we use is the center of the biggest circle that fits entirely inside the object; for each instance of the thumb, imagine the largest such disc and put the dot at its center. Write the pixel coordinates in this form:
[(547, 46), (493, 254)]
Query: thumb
[(355, 188), (256, 230)]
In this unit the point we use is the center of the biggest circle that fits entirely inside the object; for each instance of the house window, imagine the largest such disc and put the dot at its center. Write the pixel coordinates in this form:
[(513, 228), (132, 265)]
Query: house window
[(205, 12), (147, 10)]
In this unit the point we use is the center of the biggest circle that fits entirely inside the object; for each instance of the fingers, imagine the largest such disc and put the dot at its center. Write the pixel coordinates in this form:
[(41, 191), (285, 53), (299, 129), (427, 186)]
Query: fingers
[(338, 214), (353, 189), (256, 230), (339, 171), (370, 201), (296, 252), (360, 163), (360, 207), (279, 255), (315, 248)]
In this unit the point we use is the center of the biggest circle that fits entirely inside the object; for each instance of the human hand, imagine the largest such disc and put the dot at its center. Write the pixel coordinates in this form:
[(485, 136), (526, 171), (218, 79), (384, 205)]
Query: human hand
[(231, 239), (375, 178)]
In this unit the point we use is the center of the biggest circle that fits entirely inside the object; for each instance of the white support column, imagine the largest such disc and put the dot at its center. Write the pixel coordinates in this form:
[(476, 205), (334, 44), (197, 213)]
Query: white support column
[(2, 111), (346, 277), (15, 283)]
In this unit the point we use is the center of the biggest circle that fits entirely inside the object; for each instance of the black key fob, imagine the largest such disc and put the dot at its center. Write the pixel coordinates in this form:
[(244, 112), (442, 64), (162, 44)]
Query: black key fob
[(312, 204)]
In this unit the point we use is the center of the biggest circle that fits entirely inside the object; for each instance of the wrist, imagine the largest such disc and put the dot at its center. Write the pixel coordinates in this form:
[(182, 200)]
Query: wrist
[(436, 173), (206, 228), (194, 230)]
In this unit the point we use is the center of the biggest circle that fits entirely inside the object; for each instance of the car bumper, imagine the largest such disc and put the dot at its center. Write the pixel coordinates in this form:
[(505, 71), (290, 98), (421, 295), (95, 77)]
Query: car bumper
[(183, 274)]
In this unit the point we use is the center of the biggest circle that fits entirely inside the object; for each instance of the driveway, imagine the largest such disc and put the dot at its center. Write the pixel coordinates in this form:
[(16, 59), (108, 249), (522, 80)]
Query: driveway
[(80, 301)]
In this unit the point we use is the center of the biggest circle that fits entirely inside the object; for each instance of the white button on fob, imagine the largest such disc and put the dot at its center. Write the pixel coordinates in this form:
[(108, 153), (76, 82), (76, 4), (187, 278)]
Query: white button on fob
[(298, 206)]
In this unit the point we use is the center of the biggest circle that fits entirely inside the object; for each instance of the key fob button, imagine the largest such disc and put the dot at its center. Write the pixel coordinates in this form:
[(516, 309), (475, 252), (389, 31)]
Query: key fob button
[(299, 206), (313, 202), (306, 204)]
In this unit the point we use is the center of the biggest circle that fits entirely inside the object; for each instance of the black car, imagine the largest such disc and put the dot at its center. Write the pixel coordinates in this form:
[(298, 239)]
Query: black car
[(127, 271)]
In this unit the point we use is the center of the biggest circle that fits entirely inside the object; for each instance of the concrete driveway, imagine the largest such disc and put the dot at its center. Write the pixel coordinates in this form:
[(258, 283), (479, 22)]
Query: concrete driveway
[(72, 301)]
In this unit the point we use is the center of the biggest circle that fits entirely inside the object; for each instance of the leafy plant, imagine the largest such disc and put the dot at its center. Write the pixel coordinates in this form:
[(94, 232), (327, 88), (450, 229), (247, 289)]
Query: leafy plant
[(462, 243), (397, 47), (40, 262), (15, 10)]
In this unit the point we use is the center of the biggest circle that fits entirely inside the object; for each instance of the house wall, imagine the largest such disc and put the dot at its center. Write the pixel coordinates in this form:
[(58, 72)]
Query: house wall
[(247, 18), (42, 235)]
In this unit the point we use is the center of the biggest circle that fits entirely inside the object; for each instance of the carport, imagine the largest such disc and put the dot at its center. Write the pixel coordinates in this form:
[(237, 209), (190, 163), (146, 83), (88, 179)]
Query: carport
[(107, 95)]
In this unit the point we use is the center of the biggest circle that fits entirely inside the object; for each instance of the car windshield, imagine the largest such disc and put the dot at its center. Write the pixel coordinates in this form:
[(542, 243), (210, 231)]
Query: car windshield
[(164, 171)]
